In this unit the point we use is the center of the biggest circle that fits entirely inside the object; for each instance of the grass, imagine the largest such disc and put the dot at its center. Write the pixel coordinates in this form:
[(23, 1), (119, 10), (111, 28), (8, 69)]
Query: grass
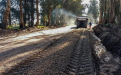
[(18, 28), (11, 27), (60, 25), (41, 26)]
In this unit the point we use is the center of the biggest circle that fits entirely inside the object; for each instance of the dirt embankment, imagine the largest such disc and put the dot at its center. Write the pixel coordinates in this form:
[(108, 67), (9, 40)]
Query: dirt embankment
[(107, 50), (110, 37)]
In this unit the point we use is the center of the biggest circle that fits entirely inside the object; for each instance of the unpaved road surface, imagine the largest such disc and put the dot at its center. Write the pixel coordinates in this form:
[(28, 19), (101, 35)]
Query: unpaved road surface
[(16, 50), (70, 55), (77, 52)]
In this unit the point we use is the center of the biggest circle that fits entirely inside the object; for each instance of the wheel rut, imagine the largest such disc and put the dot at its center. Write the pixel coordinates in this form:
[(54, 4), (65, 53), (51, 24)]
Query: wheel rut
[(80, 62)]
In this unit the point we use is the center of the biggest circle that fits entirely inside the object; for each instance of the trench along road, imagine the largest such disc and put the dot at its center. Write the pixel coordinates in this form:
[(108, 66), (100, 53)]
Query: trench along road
[(69, 55)]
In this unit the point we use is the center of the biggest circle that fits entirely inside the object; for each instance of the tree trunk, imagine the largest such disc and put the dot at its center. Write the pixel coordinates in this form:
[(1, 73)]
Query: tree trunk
[(9, 19), (32, 13), (21, 13), (112, 11), (29, 21), (104, 20), (49, 18), (37, 11), (57, 16), (107, 11), (119, 23), (25, 9), (101, 12), (6, 14)]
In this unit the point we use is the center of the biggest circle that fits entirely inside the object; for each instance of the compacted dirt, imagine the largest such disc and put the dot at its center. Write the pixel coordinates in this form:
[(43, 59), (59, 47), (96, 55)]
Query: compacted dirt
[(16, 50), (53, 60), (78, 52), (69, 55)]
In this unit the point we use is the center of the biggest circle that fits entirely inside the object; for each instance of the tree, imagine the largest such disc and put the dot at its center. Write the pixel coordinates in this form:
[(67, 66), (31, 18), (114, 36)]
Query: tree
[(6, 14), (48, 6), (119, 22), (37, 12), (10, 19), (105, 9), (74, 6), (93, 9), (25, 9), (112, 11), (2, 9), (101, 11), (32, 13), (21, 13)]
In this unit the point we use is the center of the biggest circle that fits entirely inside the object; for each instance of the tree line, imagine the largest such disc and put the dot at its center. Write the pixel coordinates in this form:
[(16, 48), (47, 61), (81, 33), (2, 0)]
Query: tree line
[(27, 11), (110, 12)]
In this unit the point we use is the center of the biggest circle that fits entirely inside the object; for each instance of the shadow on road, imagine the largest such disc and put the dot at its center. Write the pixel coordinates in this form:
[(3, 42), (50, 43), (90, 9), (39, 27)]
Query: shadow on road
[(74, 28)]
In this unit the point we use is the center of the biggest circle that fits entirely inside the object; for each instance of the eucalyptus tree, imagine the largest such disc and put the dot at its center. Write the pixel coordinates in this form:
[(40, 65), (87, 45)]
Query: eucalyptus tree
[(25, 10), (44, 13), (21, 13), (93, 9), (74, 6), (6, 14), (101, 11), (47, 7), (29, 11), (112, 11), (119, 22), (32, 12), (2, 9), (37, 12)]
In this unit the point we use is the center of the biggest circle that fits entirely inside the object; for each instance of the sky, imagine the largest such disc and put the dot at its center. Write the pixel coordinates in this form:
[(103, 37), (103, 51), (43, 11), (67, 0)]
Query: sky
[(87, 2)]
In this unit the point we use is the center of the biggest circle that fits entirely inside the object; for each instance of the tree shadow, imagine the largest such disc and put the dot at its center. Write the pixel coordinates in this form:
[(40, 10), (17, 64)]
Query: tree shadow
[(54, 58)]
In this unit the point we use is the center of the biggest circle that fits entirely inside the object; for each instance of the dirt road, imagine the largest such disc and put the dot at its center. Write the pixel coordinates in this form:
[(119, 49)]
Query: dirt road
[(16, 50), (61, 57)]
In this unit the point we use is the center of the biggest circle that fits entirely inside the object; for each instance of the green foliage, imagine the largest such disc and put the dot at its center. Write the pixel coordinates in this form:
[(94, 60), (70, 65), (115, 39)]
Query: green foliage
[(28, 6), (93, 9), (47, 5), (41, 26), (75, 7), (12, 27)]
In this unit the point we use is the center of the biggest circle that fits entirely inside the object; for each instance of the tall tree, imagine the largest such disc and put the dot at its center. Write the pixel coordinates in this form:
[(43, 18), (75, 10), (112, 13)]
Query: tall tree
[(101, 11), (10, 19), (21, 13), (119, 22), (112, 11), (37, 12), (6, 14), (74, 6), (105, 8), (25, 9), (93, 9), (32, 13)]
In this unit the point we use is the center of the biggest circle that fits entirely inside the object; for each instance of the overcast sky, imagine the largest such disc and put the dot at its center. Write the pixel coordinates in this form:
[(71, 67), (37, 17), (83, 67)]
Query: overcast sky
[(87, 2)]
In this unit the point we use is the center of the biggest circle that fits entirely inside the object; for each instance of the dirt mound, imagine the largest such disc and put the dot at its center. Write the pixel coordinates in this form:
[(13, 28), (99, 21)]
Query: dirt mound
[(110, 37)]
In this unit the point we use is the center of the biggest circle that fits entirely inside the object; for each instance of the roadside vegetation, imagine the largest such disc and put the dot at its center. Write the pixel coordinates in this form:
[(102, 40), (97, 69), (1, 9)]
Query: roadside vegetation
[(38, 13)]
